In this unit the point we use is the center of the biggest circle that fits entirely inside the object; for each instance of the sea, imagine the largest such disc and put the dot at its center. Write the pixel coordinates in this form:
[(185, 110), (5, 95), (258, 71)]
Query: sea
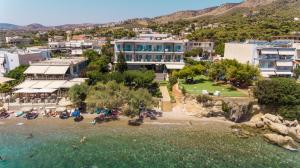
[(54, 143)]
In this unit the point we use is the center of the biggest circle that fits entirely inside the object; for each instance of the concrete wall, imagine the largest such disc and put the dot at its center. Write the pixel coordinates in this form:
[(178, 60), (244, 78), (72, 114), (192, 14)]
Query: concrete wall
[(243, 53)]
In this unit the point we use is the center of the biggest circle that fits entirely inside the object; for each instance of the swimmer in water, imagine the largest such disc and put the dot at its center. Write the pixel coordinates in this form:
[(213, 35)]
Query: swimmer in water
[(30, 136)]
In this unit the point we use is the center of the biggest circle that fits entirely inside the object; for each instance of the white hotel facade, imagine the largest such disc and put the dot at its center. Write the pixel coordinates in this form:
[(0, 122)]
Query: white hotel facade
[(276, 58), (155, 51)]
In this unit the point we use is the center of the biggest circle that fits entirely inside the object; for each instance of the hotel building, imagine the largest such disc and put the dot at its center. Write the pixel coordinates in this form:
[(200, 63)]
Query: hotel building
[(153, 51)]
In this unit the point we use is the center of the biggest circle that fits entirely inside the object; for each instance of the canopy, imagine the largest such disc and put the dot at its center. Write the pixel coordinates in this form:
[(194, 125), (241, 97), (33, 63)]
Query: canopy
[(36, 70), (174, 66), (4, 80), (57, 70), (28, 90)]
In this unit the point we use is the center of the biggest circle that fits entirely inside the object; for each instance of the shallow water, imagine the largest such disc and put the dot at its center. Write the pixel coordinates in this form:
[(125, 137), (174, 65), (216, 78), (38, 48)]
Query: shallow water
[(57, 144)]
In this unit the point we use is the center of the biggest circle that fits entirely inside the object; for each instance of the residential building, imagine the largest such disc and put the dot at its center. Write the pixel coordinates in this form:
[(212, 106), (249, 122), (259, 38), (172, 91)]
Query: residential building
[(12, 58), (17, 40), (276, 58), (49, 80), (153, 51), (56, 68), (207, 46), (74, 47)]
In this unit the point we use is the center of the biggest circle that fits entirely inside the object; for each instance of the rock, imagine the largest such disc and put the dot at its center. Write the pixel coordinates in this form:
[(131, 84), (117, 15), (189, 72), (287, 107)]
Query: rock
[(256, 108), (278, 128), (215, 111), (239, 113), (257, 118), (282, 141), (259, 124), (294, 132), (291, 123), (273, 118)]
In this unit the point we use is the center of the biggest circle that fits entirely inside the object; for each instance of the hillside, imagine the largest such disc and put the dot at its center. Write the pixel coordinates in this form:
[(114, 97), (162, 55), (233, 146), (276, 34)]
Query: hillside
[(8, 26), (215, 11)]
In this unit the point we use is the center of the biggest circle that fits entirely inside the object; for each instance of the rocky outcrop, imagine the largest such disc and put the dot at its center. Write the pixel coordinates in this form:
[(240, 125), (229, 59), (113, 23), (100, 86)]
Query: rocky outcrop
[(238, 112), (276, 130), (294, 132), (282, 141)]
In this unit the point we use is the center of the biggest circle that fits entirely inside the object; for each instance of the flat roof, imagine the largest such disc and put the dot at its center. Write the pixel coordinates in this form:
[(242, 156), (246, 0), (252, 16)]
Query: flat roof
[(49, 84), (61, 61), (149, 41)]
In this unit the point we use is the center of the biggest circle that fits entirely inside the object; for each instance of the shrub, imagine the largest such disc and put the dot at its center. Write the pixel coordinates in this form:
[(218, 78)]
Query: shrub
[(203, 98), (226, 109), (289, 112), (278, 92)]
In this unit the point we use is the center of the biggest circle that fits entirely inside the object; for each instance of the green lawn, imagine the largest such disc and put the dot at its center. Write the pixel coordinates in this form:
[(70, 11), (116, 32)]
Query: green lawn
[(202, 83)]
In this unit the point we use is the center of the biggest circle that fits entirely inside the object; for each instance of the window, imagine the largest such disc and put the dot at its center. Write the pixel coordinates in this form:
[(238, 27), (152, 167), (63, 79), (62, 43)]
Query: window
[(119, 47), (128, 57), (178, 48), (148, 58), (139, 47), (128, 47), (158, 58)]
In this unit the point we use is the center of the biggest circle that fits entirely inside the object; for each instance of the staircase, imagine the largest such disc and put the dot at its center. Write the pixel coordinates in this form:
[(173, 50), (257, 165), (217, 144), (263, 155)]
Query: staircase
[(177, 94)]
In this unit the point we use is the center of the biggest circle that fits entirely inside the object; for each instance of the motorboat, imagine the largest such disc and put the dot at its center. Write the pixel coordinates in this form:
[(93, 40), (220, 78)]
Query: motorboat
[(4, 115), (31, 115), (78, 118), (19, 113)]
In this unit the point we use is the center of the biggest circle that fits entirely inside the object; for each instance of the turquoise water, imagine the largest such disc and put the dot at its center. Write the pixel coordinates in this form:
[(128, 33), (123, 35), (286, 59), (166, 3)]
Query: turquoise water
[(117, 145)]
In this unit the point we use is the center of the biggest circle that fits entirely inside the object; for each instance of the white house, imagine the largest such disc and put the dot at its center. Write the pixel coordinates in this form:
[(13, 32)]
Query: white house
[(276, 58), (12, 58)]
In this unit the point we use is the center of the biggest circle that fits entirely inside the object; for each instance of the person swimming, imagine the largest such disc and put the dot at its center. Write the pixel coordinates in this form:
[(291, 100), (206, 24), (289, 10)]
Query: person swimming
[(30, 136)]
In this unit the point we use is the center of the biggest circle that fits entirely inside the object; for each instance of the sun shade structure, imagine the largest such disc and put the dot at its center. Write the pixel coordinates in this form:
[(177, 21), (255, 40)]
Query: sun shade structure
[(28, 90), (36, 70), (4, 80), (57, 70)]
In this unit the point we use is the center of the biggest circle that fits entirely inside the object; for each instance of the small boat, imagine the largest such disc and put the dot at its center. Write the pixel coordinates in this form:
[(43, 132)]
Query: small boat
[(136, 122), (4, 115), (78, 118), (31, 115), (19, 113), (64, 115)]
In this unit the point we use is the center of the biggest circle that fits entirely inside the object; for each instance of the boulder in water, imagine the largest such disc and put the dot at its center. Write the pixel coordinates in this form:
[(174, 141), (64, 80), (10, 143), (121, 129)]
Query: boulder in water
[(294, 132), (282, 141)]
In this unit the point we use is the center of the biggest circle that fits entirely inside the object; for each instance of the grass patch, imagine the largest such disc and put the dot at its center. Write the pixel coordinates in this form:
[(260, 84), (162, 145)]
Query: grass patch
[(203, 83)]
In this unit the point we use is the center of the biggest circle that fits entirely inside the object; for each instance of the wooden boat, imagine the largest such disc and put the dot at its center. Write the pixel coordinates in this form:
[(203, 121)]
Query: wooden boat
[(136, 122)]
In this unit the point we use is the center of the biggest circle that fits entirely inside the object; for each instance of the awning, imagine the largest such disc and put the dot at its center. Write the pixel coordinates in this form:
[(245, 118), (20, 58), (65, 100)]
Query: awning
[(41, 84), (172, 66), (36, 69), (268, 74), (57, 70), (285, 64), (26, 84), (284, 52), (284, 73), (69, 84), (56, 84), (272, 52), (4, 80), (29, 90)]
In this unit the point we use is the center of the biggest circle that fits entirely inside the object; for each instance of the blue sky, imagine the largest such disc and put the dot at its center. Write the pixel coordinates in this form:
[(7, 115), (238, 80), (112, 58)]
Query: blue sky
[(57, 12)]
